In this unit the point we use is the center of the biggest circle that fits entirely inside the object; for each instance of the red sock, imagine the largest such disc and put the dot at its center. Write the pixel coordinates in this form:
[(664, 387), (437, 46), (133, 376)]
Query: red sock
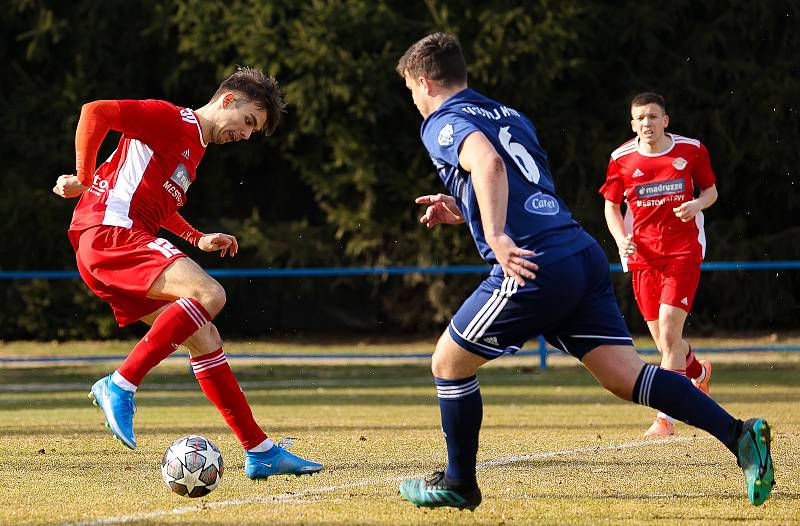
[(693, 367), (220, 386), (171, 328)]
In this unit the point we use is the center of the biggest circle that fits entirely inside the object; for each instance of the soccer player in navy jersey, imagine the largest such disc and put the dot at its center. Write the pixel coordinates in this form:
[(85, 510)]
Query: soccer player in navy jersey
[(549, 277), (114, 231)]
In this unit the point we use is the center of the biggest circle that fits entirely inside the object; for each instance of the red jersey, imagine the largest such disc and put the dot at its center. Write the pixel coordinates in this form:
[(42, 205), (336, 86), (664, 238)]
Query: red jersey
[(654, 184), (144, 182)]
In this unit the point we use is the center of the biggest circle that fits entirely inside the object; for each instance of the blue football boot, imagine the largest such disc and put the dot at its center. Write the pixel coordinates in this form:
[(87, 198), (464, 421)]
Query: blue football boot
[(118, 406), (277, 461)]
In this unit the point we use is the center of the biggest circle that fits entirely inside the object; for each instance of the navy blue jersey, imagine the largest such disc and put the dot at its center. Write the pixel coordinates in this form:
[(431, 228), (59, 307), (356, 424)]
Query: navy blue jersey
[(536, 219)]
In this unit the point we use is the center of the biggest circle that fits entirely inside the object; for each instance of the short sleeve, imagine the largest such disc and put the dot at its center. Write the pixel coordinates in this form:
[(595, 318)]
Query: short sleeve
[(154, 122), (444, 134), (614, 188), (702, 174)]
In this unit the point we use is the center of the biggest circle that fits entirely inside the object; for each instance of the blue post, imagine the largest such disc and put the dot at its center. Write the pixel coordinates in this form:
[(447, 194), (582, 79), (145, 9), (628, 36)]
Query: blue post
[(542, 353)]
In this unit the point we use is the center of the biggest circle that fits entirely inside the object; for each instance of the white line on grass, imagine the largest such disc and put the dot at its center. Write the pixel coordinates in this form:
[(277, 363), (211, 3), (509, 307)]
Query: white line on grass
[(298, 498)]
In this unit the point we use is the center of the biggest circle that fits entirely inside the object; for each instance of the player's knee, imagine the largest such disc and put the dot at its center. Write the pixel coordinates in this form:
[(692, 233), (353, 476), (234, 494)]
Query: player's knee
[(668, 343), (619, 387), (212, 296)]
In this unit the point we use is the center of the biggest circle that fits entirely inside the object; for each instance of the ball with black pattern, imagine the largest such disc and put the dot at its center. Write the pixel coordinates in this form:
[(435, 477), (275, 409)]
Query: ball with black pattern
[(192, 466)]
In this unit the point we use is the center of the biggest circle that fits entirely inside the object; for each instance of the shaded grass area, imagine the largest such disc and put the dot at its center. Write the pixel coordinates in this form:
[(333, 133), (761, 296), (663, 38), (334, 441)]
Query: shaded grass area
[(372, 425)]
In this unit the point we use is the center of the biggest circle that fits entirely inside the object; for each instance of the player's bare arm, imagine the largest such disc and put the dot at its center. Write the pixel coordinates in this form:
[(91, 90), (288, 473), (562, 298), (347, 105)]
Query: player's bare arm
[(616, 225), (442, 209), (688, 210), (488, 174)]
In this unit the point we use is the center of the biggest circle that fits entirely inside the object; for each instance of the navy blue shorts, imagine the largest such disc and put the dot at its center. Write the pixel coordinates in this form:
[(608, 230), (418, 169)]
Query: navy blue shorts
[(571, 302)]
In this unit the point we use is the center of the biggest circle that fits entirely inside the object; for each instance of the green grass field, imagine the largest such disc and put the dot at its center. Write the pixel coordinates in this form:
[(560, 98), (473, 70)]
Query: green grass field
[(555, 448)]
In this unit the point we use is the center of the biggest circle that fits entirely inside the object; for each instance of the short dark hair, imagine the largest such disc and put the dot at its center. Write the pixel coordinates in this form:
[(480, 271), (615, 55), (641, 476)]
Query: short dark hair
[(438, 57), (259, 88), (648, 97)]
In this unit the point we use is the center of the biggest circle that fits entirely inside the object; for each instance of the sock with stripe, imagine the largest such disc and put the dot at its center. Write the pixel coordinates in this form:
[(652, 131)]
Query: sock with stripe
[(675, 395), (170, 329), (220, 386), (461, 408), (694, 370)]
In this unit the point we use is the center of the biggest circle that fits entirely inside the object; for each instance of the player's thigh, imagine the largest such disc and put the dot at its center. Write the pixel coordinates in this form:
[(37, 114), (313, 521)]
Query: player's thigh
[(499, 316), (679, 280), (596, 319), (186, 279), (450, 361), (647, 291), (119, 265), (616, 367)]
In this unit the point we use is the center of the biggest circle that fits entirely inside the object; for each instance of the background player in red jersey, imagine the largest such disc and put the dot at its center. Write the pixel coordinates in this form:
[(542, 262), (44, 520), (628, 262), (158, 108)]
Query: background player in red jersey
[(661, 239), (123, 204)]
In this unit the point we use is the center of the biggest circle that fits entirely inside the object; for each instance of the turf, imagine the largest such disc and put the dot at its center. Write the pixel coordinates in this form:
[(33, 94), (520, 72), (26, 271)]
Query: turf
[(555, 448)]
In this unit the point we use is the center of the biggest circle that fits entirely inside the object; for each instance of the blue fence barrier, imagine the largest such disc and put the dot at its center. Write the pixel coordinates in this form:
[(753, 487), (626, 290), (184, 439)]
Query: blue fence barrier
[(381, 271), (543, 350)]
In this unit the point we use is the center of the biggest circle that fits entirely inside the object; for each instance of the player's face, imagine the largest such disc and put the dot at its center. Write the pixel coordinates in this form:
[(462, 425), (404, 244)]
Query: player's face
[(419, 94), (237, 120), (649, 122)]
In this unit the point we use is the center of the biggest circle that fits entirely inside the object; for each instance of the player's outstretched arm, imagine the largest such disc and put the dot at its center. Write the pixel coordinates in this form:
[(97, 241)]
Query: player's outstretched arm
[(488, 173), (442, 210), (225, 243)]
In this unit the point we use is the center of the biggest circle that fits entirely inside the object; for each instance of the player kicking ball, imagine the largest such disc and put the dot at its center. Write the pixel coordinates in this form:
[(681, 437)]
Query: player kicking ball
[(114, 228), (548, 277)]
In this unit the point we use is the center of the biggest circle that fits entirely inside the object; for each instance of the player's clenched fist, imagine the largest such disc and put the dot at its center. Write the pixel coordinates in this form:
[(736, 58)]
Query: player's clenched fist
[(68, 186), (225, 243)]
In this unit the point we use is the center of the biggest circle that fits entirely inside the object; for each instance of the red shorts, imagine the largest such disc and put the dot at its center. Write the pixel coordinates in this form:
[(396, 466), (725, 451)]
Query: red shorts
[(673, 282), (120, 265)]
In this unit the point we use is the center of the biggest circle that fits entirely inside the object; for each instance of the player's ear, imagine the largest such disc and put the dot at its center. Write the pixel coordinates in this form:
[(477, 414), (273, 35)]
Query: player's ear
[(228, 99), (666, 120)]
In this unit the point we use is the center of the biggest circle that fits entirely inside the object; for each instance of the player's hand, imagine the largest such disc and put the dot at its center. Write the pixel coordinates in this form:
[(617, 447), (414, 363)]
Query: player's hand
[(512, 259), (626, 247), (442, 210), (225, 243), (68, 186), (688, 210)]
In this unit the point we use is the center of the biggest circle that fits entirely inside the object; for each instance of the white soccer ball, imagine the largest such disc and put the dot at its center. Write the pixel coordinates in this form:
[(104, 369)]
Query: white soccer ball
[(192, 466)]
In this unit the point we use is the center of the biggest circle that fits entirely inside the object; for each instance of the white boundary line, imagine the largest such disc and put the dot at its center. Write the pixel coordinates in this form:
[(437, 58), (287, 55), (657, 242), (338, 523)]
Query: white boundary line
[(299, 497)]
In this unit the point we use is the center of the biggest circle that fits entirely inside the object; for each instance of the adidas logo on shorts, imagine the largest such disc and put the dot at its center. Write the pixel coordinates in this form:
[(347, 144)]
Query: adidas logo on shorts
[(491, 340)]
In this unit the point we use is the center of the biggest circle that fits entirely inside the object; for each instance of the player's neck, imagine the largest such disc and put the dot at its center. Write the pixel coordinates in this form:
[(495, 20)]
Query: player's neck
[(204, 119), (441, 96), (661, 145)]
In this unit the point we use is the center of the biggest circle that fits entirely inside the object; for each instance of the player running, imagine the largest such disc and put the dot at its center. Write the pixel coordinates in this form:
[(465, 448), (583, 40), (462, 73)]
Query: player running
[(548, 277), (661, 239), (114, 228)]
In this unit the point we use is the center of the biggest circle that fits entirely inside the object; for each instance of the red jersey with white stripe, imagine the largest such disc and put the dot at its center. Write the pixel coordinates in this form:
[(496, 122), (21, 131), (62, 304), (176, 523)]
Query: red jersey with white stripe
[(653, 184), (146, 179)]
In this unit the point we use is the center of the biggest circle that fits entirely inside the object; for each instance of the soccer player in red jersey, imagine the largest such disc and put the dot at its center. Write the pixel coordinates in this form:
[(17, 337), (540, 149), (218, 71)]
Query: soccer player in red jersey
[(666, 181), (114, 232)]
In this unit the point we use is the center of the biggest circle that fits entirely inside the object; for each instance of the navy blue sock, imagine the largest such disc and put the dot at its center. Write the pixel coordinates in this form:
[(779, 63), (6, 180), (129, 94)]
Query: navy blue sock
[(461, 407), (675, 395)]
